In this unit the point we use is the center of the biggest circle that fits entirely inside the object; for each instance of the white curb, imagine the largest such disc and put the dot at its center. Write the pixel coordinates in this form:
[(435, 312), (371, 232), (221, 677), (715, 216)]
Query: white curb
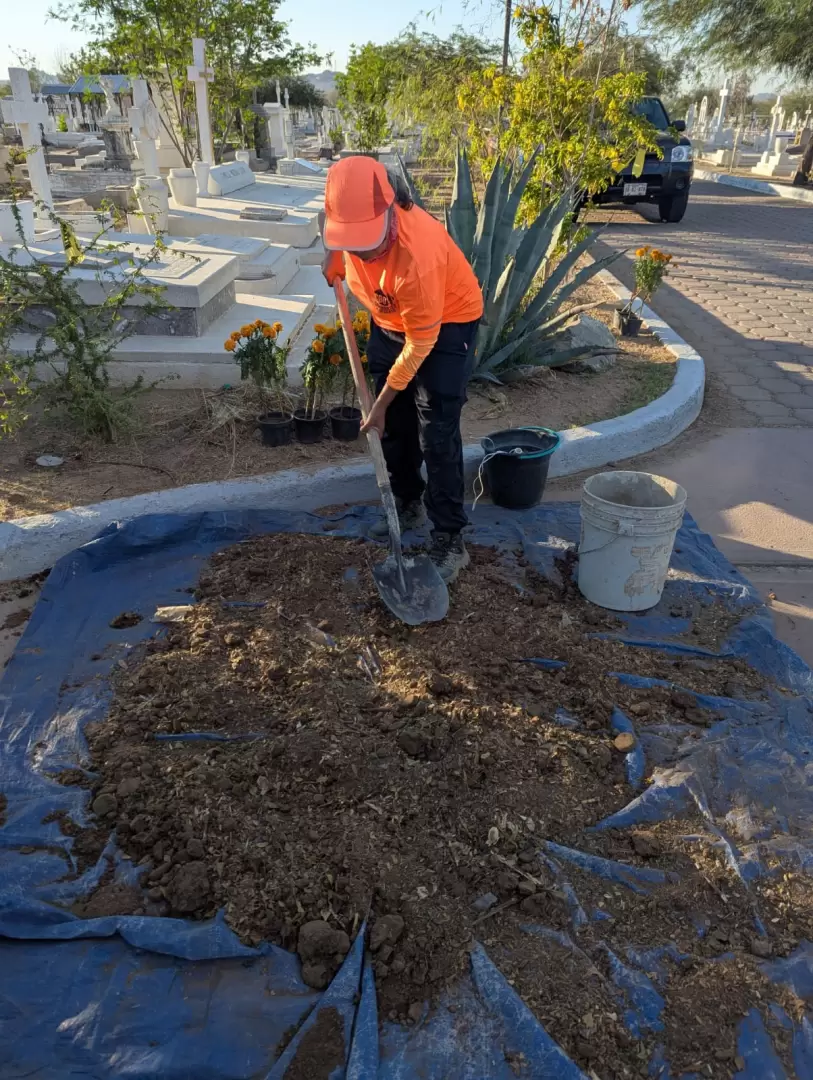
[(764, 187), (31, 544)]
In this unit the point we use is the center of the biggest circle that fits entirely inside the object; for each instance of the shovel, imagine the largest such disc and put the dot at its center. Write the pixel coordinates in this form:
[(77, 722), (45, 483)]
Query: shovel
[(411, 587)]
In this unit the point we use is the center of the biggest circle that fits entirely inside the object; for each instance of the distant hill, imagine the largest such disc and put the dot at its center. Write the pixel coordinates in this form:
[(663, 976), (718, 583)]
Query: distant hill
[(322, 80), (765, 97)]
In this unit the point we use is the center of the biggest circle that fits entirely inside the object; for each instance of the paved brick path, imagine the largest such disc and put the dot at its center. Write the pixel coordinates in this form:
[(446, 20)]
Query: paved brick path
[(742, 292)]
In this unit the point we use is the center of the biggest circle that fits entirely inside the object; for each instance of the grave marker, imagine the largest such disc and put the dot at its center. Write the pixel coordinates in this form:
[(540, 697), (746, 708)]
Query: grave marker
[(199, 74), (233, 176), (30, 117)]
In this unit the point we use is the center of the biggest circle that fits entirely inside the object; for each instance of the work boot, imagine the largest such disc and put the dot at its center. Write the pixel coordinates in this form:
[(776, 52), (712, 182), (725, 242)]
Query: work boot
[(411, 515), (448, 553)]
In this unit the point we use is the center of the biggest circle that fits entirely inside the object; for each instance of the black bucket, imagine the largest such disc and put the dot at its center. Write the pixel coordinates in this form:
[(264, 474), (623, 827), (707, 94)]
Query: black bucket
[(345, 422), (516, 465), (309, 429), (276, 428)]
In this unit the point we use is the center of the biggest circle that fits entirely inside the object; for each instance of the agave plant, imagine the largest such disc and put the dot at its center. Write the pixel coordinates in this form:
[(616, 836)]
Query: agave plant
[(524, 287)]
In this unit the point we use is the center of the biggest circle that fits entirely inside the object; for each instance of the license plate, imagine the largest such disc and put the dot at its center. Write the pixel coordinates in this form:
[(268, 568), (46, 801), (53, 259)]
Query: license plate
[(634, 189)]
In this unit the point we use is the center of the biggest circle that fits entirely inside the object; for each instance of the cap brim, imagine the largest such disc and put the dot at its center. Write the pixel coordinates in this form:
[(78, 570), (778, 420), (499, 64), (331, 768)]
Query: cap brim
[(355, 235)]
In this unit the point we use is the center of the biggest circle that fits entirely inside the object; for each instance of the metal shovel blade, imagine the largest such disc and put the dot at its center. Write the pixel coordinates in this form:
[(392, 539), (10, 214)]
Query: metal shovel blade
[(425, 599)]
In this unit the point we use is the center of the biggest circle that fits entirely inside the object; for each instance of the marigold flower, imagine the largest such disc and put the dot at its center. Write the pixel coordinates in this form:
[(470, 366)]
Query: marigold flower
[(320, 328), (245, 331), (277, 326), (269, 332), (318, 346), (641, 252), (364, 358), (335, 359), (236, 335), (230, 345)]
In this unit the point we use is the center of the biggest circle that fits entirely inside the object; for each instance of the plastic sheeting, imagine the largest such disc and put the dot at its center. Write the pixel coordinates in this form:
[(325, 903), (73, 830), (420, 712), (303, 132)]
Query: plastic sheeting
[(142, 997)]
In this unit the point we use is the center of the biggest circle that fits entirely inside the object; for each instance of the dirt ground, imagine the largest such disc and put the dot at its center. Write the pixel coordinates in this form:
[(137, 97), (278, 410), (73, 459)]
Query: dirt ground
[(410, 778), (187, 437)]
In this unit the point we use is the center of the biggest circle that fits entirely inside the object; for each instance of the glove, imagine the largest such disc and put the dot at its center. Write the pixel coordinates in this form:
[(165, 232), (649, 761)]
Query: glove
[(333, 267)]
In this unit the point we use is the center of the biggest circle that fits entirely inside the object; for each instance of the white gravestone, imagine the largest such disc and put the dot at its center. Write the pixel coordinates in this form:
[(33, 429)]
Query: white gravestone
[(30, 117), (201, 75), (230, 177), (274, 122), (145, 123)]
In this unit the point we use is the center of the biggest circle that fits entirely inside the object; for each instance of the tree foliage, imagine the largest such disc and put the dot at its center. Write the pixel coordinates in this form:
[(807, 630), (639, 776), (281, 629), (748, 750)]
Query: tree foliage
[(364, 90), (760, 34), (245, 45), (562, 102), (301, 93)]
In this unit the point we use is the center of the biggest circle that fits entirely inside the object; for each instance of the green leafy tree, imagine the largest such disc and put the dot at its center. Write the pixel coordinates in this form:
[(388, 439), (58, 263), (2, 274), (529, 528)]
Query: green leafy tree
[(301, 93), (562, 102), (622, 53), (364, 91), (152, 39)]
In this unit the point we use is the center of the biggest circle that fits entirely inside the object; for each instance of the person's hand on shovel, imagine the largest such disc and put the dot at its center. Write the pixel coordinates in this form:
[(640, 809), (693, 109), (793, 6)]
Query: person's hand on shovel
[(377, 416)]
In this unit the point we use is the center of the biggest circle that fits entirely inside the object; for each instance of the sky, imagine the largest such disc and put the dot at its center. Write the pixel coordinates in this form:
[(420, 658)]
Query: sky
[(331, 25)]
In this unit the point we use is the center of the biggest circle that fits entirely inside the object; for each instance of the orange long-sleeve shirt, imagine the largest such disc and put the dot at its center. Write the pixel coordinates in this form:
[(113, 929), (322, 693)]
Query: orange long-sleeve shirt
[(423, 281)]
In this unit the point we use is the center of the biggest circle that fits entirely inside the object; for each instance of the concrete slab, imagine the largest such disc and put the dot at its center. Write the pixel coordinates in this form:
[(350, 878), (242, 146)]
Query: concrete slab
[(788, 592)]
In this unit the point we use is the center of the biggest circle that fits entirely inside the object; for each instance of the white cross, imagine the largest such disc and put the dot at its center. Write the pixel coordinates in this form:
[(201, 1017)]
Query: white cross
[(199, 74), (29, 116)]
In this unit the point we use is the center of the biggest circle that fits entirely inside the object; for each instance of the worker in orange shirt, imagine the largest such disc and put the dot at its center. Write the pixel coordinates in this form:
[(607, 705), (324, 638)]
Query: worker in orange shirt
[(425, 303)]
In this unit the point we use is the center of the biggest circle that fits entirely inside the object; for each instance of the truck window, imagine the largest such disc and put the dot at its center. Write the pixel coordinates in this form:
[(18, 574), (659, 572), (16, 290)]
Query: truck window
[(652, 110)]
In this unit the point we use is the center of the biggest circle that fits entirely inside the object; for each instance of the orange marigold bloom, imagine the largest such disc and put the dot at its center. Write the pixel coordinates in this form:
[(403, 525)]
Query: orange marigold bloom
[(277, 326), (641, 252), (230, 345), (269, 332), (335, 359), (245, 331), (318, 346), (236, 335), (364, 358)]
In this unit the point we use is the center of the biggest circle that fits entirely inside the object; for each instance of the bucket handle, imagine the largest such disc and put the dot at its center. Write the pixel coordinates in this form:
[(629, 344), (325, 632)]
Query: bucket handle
[(622, 529), (536, 453)]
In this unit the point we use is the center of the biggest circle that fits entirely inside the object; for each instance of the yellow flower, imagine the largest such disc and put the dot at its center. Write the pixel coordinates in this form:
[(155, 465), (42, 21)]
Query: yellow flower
[(278, 327), (230, 345), (236, 336), (335, 359), (258, 324), (245, 331), (318, 346), (641, 252), (320, 328), (364, 358), (269, 332)]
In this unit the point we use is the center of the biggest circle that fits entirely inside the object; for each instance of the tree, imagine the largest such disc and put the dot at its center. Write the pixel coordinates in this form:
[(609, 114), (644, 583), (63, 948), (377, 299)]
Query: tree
[(36, 76), (152, 39), (562, 102), (301, 93), (760, 34), (623, 53), (363, 94), (427, 72)]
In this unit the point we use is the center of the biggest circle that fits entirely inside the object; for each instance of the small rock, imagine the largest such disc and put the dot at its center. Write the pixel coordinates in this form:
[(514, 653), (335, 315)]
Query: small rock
[(485, 902), (398, 965), (624, 742), (697, 716), (527, 855), (526, 888), (319, 940), (155, 894), (412, 742), (194, 848), (645, 845), (602, 756), (506, 883), (386, 931), (640, 708), (104, 805), (129, 786), (125, 620), (761, 947), (415, 1011), (233, 639), (275, 673), (441, 684), (682, 699), (49, 461), (385, 954), (188, 889), (315, 976)]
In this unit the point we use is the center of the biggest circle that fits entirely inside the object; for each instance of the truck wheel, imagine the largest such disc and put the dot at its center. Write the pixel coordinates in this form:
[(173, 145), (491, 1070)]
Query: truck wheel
[(673, 209)]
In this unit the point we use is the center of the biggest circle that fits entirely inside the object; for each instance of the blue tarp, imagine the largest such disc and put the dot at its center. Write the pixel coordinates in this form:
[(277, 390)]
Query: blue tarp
[(153, 998)]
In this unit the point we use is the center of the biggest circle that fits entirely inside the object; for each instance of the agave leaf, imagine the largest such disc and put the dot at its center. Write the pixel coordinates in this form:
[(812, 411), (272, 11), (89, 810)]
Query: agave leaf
[(484, 236), (563, 316), (496, 305), (540, 238), (486, 376), (504, 232), (463, 212), (584, 275), (409, 181), (539, 305), (450, 226), (556, 359)]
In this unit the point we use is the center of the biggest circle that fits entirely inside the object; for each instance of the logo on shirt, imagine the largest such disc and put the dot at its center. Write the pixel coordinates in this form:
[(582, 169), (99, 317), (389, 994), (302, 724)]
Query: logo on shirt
[(384, 302)]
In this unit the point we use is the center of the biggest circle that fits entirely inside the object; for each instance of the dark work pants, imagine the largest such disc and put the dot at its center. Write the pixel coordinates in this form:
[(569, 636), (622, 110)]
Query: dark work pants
[(423, 421)]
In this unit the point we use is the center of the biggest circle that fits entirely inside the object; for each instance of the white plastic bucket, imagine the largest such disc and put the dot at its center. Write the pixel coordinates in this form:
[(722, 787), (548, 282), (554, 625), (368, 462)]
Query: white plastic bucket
[(629, 523)]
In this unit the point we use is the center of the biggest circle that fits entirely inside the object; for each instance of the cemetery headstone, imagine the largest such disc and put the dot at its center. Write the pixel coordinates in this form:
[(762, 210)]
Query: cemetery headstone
[(232, 176), (29, 115), (201, 75)]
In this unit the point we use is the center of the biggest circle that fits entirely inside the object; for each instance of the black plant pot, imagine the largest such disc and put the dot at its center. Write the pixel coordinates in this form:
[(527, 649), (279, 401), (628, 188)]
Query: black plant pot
[(309, 429), (345, 422), (276, 428), (627, 324)]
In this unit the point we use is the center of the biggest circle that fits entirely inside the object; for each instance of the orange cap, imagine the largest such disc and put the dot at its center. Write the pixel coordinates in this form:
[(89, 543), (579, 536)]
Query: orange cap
[(358, 195)]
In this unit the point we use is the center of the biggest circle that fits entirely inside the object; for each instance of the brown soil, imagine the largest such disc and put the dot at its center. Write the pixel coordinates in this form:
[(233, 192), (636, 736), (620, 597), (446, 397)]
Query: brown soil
[(188, 437), (401, 776), (321, 1050)]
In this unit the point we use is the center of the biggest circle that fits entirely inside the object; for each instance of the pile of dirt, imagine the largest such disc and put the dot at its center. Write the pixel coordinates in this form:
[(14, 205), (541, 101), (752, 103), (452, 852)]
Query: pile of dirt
[(364, 770)]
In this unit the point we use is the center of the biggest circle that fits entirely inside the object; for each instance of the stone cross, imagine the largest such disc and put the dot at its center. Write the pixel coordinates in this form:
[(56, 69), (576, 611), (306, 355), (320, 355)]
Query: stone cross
[(690, 115), (287, 97), (145, 124), (775, 117), (199, 74), (723, 105), (794, 121), (30, 117), (806, 122), (704, 109), (288, 128)]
